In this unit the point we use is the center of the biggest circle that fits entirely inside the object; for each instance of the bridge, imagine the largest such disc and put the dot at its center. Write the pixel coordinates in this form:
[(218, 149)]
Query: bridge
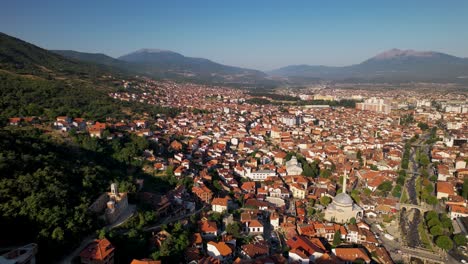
[(422, 208), (425, 255)]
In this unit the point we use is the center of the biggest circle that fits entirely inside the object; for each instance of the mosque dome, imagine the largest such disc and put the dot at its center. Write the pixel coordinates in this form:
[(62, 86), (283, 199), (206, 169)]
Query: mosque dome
[(343, 199)]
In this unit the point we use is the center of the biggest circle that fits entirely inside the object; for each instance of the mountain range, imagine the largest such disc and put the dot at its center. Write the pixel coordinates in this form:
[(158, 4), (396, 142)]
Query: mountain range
[(172, 65), (394, 65)]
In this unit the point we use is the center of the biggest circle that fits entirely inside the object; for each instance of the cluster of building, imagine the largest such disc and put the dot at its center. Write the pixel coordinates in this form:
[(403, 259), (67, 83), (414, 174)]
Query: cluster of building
[(262, 161)]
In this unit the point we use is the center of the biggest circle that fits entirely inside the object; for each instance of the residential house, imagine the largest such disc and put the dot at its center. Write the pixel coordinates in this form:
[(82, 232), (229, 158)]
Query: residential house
[(100, 251), (220, 250), (219, 205)]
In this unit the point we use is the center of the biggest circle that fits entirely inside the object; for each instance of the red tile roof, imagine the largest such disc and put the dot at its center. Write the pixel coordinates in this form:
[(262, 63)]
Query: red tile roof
[(99, 249)]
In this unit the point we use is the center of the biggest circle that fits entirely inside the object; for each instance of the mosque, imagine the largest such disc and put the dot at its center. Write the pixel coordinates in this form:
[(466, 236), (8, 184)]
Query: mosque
[(343, 208)]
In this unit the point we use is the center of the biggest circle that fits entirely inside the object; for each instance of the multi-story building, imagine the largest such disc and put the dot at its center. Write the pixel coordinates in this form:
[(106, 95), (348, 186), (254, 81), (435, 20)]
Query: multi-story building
[(375, 105)]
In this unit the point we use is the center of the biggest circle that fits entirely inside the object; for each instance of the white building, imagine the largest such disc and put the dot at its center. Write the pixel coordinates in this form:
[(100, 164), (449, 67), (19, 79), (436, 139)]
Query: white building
[(375, 105), (293, 167), (260, 175)]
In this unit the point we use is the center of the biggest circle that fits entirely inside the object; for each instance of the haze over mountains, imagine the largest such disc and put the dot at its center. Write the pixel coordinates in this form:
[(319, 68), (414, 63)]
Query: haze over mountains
[(397, 66), (390, 66), (168, 64)]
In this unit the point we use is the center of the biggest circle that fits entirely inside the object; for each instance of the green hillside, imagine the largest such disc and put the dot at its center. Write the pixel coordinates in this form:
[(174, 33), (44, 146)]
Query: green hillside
[(36, 82)]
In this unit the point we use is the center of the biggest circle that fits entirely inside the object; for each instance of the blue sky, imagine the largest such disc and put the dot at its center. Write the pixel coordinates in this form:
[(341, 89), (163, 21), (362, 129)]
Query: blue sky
[(256, 34)]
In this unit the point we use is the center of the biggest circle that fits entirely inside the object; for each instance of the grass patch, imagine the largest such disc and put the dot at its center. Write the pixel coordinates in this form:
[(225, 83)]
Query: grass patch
[(418, 187), (388, 218), (424, 236), (404, 196)]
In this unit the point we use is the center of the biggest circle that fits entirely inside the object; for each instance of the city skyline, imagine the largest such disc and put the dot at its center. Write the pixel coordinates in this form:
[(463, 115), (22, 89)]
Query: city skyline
[(260, 35)]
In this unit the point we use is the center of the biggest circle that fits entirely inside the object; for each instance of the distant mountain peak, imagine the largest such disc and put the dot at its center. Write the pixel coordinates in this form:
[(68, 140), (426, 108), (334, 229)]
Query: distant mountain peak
[(145, 50), (398, 53)]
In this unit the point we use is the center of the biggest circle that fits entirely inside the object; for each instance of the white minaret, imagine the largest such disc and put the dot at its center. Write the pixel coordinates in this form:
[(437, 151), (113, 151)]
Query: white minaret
[(345, 176), (114, 189)]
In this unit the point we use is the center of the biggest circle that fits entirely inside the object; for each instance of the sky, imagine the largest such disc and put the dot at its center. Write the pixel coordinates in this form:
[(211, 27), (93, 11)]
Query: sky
[(261, 35)]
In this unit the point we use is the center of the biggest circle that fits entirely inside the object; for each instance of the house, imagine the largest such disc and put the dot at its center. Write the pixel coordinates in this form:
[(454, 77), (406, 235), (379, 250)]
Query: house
[(298, 191), (145, 261), (219, 205), (100, 251), (351, 255), (197, 240), (444, 189), (456, 211), (353, 233), (260, 175), (305, 250), (221, 251), (279, 157), (203, 193), (443, 172), (254, 227), (274, 220), (14, 121), (255, 250), (248, 187), (208, 229)]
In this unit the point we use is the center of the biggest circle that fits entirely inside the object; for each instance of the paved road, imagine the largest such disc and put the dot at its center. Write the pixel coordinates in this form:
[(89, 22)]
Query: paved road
[(122, 219), (169, 220)]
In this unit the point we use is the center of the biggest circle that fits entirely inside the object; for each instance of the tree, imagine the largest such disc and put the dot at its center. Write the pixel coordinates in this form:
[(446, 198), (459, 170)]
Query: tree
[(352, 220), (396, 191), (367, 191), (307, 171), (431, 215), (325, 173), (423, 126), (465, 189), (215, 216), (436, 230), (374, 167), (385, 186), (432, 200), (433, 222), (460, 240), (355, 196), (337, 238), (444, 242), (359, 157), (58, 234), (429, 188), (234, 229), (325, 200), (424, 160)]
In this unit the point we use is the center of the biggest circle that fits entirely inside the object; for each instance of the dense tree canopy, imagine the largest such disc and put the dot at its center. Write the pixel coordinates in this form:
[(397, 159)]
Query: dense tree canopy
[(46, 187)]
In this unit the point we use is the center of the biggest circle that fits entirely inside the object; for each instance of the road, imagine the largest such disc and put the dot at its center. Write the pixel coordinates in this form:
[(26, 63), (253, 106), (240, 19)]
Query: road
[(68, 259), (122, 219), (169, 220)]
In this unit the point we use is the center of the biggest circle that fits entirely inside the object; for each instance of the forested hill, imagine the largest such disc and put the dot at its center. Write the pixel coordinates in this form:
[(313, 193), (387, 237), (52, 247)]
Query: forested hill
[(49, 179), (46, 187), (36, 82), (22, 57)]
